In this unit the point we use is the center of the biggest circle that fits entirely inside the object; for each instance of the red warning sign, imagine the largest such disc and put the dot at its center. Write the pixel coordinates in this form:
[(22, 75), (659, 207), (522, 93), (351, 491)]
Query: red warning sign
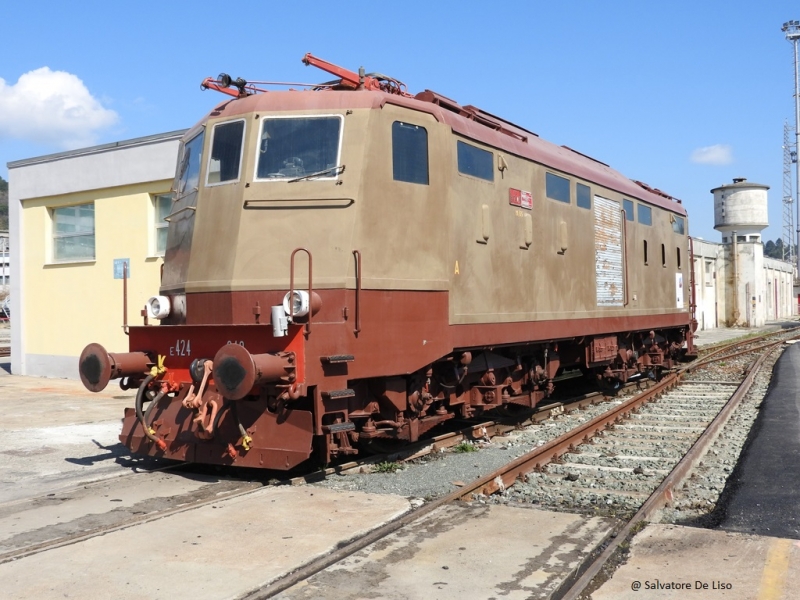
[(520, 198)]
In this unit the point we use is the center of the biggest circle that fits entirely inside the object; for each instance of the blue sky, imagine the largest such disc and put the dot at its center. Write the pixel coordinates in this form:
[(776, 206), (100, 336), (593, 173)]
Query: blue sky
[(684, 95)]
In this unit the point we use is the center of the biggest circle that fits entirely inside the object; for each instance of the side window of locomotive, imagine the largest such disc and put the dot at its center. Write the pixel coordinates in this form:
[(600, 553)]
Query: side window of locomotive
[(226, 152), (409, 153), (299, 147), (189, 166), (584, 195), (678, 224), (557, 188), (627, 206), (645, 214), (475, 161)]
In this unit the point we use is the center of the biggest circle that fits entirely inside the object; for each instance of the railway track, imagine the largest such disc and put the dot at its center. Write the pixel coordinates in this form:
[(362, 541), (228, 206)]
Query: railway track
[(583, 462), (58, 535), (630, 444)]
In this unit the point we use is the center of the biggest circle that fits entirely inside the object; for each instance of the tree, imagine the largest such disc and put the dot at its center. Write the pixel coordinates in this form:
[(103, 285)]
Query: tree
[(3, 205)]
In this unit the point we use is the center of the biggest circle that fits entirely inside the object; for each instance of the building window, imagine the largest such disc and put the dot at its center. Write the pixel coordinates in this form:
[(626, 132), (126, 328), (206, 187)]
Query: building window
[(741, 238), (226, 152), (709, 273), (475, 161), (678, 224), (163, 206), (73, 232), (584, 195), (645, 215), (627, 206), (557, 188), (409, 153)]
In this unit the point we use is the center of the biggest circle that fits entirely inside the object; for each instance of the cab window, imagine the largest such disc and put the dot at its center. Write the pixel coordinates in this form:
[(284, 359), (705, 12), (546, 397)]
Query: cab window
[(409, 153), (475, 161), (226, 152)]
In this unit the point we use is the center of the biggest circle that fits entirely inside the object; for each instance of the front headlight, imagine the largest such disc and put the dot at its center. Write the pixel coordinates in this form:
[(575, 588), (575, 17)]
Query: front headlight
[(158, 307), (296, 304)]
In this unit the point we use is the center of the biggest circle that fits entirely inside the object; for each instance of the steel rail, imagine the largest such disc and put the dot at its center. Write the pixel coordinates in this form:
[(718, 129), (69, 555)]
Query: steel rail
[(481, 485), (498, 479), (505, 476), (663, 494)]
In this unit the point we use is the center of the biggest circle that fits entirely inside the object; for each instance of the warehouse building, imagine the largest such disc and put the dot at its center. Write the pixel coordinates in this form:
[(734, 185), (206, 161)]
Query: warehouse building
[(78, 220)]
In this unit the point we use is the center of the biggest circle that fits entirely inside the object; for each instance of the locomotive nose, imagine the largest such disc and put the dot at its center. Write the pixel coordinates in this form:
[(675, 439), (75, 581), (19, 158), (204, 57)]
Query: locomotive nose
[(236, 371), (97, 366)]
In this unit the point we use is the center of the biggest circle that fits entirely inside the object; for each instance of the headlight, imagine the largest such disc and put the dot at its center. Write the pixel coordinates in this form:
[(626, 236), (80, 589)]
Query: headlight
[(296, 303), (158, 307)]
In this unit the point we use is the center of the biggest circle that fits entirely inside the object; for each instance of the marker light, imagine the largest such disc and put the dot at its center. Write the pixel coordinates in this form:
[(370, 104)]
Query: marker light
[(299, 303), (158, 307)]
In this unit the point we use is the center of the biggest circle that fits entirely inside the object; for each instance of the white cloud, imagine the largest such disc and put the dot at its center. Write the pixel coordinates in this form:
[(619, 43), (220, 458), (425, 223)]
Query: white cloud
[(718, 154), (52, 107)]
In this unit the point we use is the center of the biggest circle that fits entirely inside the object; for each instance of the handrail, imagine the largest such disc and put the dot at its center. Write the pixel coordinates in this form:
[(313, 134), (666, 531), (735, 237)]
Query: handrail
[(291, 287), (625, 256), (179, 211), (357, 256)]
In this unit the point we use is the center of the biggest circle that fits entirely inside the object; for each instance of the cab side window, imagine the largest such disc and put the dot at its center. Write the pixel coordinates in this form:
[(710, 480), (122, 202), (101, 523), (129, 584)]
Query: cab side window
[(226, 152), (475, 161), (409, 153)]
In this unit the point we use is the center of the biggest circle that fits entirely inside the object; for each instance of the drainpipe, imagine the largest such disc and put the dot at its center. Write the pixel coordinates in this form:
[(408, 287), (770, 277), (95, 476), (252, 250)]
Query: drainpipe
[(735, 265)]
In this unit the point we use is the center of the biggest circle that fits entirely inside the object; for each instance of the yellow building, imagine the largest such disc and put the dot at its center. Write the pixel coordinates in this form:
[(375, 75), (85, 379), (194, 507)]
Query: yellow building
[(75, 219)]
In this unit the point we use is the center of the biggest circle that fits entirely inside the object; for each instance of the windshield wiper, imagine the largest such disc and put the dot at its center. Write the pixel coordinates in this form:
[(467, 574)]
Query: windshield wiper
[(334, 170)]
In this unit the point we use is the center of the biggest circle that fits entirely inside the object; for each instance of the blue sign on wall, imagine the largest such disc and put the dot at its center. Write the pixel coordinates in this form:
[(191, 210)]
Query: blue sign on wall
[(118, 263)]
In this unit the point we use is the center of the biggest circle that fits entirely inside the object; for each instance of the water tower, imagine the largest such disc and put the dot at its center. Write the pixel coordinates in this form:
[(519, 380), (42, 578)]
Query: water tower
[(740, 206)]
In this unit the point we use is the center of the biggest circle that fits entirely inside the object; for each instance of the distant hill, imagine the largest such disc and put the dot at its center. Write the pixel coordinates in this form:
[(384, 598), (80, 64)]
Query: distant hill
[(3, 205)]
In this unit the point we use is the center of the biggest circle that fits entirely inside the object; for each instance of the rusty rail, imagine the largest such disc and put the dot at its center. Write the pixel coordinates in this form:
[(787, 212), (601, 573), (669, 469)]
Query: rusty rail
[(506, 475), (663, 494)]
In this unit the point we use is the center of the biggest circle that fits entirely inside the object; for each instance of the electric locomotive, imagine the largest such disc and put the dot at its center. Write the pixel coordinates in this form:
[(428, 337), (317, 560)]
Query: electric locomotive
[(351, 263)]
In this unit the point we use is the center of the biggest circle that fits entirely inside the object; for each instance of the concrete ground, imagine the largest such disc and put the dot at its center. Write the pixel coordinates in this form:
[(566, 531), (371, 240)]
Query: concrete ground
[(55, 436), (462, 553), (670, 561)]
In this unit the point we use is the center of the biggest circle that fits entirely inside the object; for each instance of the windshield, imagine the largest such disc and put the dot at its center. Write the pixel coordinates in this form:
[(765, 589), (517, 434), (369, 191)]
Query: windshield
[(189, 167), (298, 146)]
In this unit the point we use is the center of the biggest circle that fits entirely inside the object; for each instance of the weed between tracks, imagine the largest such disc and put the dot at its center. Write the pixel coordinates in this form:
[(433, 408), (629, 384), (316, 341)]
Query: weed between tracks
[(387, 467), (464, 447)]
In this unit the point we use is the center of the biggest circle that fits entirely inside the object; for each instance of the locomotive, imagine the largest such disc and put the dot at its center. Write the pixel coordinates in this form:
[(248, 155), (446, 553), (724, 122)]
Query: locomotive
[(349, 263)]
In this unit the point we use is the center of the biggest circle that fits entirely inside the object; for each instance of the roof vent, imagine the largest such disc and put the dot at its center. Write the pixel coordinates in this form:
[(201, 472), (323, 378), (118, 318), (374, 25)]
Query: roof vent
[(739, 179)]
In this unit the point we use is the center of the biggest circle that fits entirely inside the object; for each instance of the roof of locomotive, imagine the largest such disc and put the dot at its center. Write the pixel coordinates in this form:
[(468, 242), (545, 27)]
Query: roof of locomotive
[(486, 128)]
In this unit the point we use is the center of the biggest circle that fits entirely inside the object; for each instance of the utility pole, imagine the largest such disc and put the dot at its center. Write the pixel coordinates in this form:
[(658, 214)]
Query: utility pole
[(789, 158), (792, 31)]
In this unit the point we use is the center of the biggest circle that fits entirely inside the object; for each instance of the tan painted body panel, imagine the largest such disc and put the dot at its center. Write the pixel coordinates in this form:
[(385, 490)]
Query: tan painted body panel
[(424, 237), (465, 300)]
